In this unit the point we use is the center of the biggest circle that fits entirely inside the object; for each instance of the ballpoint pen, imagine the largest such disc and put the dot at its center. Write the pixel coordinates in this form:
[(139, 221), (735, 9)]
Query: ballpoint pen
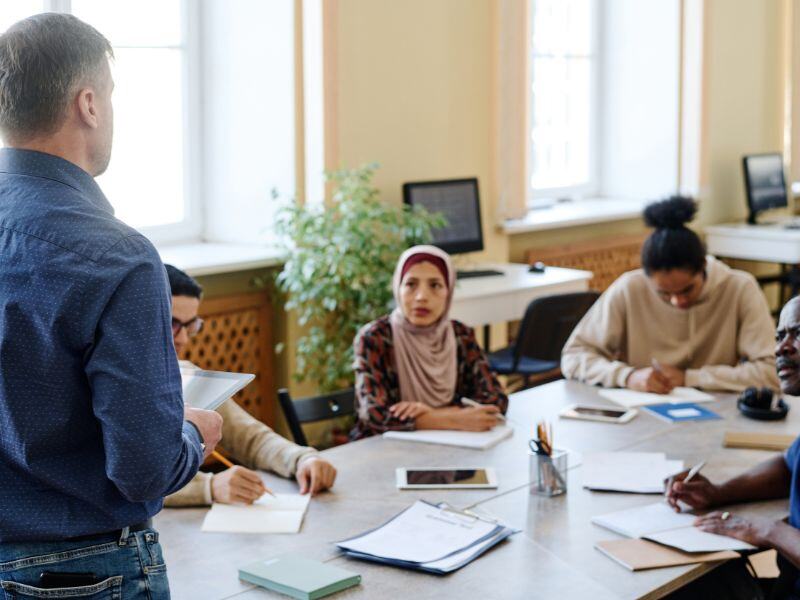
[(471, 402)]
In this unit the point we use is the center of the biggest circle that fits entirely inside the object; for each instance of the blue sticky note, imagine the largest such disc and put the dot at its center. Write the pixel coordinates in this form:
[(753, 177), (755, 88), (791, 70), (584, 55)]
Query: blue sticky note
[(685, 411)]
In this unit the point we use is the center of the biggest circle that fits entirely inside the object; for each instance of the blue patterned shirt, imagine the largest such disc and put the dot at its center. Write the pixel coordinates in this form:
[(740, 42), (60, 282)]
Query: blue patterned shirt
[(92, 435)]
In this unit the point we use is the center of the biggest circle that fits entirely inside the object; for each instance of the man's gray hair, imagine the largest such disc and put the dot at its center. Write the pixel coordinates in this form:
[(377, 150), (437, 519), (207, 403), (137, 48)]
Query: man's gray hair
[(43, 61)]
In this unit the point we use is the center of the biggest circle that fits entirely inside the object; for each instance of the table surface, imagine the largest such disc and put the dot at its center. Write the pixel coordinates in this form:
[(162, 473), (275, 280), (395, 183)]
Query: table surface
[(494, 299), (553, 554)]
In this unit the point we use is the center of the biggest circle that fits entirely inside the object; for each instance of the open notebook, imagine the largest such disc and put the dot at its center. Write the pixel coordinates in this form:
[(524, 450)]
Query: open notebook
[(631, 398), (660, 523), (633, 472), (479, 440), (282, 513)]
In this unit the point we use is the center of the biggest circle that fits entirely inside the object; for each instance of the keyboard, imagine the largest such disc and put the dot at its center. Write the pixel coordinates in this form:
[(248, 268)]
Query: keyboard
[(482, 273)]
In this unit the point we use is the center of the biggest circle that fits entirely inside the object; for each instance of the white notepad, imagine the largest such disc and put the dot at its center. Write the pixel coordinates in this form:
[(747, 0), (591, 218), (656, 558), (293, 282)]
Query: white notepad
[(632, 398), (479, 440), (660, 523), (634, 472), (280, 514)]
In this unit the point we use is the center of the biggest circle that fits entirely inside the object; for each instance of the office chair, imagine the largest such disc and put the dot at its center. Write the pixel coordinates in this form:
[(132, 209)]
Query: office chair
[(313, 409), (545, 328)]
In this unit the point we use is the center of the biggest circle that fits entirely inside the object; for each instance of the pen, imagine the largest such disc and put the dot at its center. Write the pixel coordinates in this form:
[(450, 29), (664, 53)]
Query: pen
[(694, 470), (229, 464), (656, 365), (471, 402)]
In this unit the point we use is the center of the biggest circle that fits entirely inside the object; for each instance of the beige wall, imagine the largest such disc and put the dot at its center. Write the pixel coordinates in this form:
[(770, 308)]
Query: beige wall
[(743, 112), (414, 88)]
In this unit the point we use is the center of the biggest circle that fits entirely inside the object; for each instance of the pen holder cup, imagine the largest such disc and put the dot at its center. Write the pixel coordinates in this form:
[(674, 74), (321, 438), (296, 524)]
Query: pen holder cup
[(548, 474)]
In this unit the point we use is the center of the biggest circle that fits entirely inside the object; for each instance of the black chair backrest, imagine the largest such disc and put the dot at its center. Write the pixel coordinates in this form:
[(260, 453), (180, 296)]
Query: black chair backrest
[(315, 408), (548, 323)]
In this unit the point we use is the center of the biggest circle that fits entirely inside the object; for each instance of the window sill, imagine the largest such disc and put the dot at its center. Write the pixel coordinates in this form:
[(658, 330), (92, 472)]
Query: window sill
[(573, 214), (209, 258)]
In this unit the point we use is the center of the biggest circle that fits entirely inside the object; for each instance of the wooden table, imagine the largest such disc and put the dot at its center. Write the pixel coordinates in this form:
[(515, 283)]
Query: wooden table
[(553, 556)]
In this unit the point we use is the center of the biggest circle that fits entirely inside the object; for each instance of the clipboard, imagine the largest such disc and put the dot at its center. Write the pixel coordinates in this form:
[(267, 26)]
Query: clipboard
[(209, 389)]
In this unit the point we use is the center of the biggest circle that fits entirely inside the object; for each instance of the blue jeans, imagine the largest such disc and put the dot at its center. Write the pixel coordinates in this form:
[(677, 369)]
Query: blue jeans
[(128, 567)]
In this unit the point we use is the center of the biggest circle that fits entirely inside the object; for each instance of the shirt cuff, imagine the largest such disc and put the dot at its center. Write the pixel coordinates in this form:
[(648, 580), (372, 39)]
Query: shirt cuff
[(191, 431), (207, 497), (692, 378), (622, 376), (301, 456)]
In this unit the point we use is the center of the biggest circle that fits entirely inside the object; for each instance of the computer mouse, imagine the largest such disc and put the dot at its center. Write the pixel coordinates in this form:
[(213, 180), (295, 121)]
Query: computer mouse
[(537, 267)]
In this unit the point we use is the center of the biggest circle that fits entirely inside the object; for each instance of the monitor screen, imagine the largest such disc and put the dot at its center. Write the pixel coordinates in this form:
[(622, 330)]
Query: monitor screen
[(458, 201), (764, 182)]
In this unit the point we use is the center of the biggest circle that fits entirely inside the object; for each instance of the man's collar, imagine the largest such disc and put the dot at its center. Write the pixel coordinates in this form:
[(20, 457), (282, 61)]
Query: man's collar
[(55, 168)]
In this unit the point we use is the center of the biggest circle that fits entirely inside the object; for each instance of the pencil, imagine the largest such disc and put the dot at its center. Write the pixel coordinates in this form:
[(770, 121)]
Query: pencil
[(222, 459), (229, 464)]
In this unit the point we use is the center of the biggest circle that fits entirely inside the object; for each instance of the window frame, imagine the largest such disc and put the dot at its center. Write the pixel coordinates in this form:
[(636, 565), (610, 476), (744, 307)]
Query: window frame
[(191, 228), (544, 197)]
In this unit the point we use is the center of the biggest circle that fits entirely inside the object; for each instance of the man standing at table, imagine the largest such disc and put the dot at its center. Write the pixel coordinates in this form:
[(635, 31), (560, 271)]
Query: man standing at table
[(92, 429), (777, 477)]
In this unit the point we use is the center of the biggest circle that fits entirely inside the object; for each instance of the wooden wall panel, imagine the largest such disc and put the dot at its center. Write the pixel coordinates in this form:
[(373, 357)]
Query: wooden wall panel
[(607, 258), (237, 337)]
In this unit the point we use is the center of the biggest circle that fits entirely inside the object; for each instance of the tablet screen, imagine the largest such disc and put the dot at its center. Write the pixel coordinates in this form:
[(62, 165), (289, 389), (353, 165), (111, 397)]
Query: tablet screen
[(599, 412), (447, 477)]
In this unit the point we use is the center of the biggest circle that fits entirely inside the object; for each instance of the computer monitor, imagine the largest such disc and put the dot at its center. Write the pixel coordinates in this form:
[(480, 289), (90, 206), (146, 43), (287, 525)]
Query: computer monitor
[(459, 203), (764, 182)]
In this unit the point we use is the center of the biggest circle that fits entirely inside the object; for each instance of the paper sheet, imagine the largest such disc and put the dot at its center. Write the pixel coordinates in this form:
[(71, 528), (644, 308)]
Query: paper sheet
[(424, 533), (631, 398), (644, 520), (635, 472), (282, 514), (480, 440), (692, 539)]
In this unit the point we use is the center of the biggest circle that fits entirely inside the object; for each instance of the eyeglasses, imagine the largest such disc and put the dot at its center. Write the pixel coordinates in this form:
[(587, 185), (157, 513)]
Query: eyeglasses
[(193, 326)]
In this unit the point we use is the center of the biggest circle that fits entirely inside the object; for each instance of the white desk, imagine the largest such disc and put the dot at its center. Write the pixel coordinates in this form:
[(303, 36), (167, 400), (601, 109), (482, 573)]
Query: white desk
[(553, 556), (499, 298), (769, 243)]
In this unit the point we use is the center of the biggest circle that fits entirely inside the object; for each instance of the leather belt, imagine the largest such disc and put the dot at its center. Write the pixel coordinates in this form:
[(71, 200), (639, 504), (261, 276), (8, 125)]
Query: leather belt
[(115, 533)]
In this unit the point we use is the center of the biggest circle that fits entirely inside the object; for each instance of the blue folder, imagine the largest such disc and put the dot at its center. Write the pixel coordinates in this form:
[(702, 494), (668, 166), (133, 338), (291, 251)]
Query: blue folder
[(685, 411)]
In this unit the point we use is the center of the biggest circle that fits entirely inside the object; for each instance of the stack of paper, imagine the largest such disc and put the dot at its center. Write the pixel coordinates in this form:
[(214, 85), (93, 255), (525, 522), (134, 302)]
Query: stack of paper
[(634, 472), (631, 398), (660, 523), (479, 440), (427, 537), (282, 513)]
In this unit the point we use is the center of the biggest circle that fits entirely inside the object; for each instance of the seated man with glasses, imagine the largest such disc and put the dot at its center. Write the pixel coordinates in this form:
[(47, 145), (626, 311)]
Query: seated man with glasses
[(247, 440)]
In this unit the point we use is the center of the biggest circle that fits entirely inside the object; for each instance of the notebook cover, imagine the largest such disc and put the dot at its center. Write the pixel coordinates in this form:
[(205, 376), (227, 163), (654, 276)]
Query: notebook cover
[(299, 577), (668, 412), (638, 555), (758, 440)]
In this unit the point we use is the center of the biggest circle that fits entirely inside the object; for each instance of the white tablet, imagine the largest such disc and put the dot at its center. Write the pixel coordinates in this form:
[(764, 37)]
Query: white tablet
[(445, 478), (604, 414), (209, 389)]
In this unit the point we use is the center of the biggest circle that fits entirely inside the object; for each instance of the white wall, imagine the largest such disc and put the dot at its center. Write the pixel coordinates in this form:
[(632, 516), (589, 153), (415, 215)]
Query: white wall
[(639, 105), (248, 115)]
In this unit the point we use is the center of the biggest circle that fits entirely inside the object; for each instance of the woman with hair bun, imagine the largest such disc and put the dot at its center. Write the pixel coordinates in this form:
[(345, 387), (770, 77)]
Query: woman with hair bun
[(683, 319)]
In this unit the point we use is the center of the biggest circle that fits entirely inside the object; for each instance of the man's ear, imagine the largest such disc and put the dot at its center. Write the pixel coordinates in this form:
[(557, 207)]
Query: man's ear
[(86, 107)]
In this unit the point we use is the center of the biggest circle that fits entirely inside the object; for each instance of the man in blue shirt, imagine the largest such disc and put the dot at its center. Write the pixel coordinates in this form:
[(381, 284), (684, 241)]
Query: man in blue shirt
[(92, 429), (777, 477)]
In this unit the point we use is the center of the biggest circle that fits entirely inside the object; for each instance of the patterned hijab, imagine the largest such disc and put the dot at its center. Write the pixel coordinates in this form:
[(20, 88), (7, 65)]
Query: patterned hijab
[(425, 356)]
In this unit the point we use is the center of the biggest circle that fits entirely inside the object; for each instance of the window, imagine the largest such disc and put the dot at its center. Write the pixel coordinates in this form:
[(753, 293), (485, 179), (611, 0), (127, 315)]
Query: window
[(150, 178), (563, 99)]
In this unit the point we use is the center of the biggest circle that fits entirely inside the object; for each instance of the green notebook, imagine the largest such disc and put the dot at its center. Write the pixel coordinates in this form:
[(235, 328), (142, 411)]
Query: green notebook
[(299, 577)]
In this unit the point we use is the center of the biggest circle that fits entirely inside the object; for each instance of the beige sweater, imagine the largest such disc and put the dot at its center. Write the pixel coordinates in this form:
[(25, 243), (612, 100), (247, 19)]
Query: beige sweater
[(724, 342), (250, 443)]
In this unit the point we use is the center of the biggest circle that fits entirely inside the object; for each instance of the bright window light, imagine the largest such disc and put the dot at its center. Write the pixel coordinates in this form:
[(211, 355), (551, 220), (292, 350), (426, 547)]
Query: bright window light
[(563, 97)]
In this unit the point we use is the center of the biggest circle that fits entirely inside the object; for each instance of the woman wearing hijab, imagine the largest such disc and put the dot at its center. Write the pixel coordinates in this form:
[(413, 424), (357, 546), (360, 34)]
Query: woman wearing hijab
[(415, 365)]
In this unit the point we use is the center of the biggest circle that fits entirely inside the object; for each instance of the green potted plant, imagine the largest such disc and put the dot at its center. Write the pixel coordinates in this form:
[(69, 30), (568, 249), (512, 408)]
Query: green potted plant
[(338, 270)]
